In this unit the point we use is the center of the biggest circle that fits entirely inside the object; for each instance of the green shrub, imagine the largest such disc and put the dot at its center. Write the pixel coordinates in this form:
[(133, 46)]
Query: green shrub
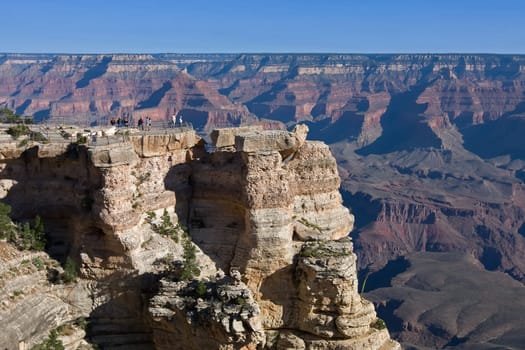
[(150, 216), (201, 289), (6, 225), (240, 301), (166, 227), (18, 130), (70, 273), (34, 237), (81, 140), (23, 143), (378, 324), (311, 225), (82, 323), (38, 136), (38, 263), (315, 250), (320, 249), (28, 237), (51, 343), (8, 116)]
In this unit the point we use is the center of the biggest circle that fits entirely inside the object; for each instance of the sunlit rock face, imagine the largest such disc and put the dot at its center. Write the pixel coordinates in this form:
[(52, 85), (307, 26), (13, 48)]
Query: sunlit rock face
[(285, 230), (264, 207)]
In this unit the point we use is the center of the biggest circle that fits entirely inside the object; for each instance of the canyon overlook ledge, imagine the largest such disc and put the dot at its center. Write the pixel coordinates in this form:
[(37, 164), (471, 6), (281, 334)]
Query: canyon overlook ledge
[(264, 206)]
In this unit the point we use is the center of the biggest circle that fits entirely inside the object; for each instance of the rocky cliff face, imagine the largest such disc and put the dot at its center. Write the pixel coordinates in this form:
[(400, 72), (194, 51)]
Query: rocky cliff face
[(288, 196), (30, 305), (265, 208), (93, 203)]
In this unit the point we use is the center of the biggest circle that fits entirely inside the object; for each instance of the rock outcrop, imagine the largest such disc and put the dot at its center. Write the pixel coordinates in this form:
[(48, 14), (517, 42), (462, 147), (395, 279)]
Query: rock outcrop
[(30, 305), (265, 208), (209, 315), (266, 228)]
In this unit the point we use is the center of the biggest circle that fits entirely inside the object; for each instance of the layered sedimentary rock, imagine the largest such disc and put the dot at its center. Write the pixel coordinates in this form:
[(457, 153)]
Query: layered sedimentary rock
[(212, 315), (30, 305), (349, 90), (92, 89), (429, 146), (266, 209), (93, 200), (288, 195)]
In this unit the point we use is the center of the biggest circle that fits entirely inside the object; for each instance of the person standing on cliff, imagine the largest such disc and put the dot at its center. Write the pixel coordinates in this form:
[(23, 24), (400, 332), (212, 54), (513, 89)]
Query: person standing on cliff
[(180, 120), (141, 124), (148, 123), (174, 120)]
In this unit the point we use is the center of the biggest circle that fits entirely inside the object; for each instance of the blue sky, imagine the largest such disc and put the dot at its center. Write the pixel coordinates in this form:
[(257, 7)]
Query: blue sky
[(192, 26)]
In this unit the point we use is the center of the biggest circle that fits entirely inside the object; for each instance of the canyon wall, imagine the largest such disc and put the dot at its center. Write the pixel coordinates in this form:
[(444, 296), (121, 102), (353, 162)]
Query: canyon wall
[(92, 89), (264, 215), (428, 146)]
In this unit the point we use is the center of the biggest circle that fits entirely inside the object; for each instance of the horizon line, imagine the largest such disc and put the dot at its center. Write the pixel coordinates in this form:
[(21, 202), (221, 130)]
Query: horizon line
[(264, 53)]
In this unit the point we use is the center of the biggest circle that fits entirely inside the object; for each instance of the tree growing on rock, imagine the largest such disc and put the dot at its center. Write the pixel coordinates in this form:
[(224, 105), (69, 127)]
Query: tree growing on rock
[(190, 267)]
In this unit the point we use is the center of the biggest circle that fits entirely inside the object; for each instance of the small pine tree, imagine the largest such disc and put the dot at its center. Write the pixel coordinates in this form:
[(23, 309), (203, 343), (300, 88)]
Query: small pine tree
[(23, 236), (39, 225), (165, 222), (166, 227), (51, 343), (31, 238), (39, 236), (26, 237), (18, 130), (190, 268), (6, 225)]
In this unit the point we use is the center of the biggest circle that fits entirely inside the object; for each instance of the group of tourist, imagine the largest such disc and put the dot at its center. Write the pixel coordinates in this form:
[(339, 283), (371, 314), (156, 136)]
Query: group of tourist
[(174, 120), (119, 122), (144, 123)]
